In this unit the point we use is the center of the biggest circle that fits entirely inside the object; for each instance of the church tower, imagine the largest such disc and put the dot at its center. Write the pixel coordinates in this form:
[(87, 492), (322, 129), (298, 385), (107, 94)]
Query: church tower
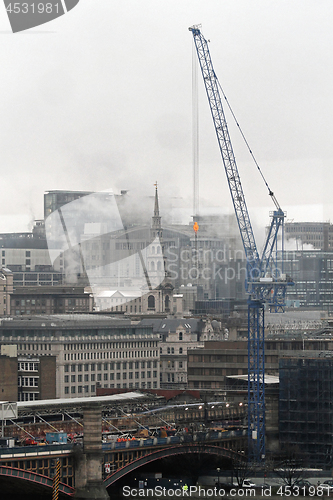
[(159, 298)]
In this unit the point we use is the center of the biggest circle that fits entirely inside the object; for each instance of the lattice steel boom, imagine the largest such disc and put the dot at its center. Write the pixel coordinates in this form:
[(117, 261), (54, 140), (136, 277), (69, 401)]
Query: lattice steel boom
[(265, 281)]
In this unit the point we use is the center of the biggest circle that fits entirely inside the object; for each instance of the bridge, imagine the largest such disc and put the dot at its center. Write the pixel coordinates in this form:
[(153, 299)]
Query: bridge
[(88, 463), (37, 463)]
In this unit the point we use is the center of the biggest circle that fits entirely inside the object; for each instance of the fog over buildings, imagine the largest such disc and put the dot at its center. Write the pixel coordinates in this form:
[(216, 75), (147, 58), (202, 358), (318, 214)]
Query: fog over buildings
[(101, 98)]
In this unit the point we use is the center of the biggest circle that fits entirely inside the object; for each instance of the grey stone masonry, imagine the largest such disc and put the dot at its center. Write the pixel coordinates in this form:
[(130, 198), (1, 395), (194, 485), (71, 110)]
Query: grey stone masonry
[(89, 478)]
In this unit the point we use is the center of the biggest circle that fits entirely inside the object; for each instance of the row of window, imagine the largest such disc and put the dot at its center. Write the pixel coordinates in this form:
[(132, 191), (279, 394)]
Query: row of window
[(33, 347), (28, 396), (105, 304), (28, 367), (131, 246), (27, 253), (28, 381), (110, 366), (106, 376), (108, 345), (302, 229), (92, 388), (39, 302), (43, 302), (171, 377), (171, 350), (109, 355), (172, 364)]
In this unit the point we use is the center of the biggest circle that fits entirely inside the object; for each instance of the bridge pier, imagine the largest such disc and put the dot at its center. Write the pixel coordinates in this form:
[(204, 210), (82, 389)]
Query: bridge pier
[(88, 470)]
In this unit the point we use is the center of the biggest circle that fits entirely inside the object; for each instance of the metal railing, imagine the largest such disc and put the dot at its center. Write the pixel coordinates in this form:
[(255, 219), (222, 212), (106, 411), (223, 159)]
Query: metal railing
[(172, 440)]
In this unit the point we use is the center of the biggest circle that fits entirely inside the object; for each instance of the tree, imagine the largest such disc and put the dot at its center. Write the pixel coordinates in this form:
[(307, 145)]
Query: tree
[(242, 470), (289, 465)]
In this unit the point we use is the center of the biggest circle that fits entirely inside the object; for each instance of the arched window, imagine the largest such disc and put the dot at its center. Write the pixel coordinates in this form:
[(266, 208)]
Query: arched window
[(152, 266), (167, 302), (151, 302), (158, 250), (152, 249), (159, 265)]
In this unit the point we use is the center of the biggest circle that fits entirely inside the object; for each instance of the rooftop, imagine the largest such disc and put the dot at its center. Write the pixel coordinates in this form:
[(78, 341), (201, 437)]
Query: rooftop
[(67, 321), (170, 325)]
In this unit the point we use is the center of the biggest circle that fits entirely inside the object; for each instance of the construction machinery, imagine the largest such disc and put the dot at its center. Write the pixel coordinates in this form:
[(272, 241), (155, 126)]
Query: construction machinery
[(265, 281)]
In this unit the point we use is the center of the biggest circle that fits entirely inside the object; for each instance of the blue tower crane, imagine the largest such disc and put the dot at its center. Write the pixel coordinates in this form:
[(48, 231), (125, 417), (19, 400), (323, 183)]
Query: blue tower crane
[(265, 281)]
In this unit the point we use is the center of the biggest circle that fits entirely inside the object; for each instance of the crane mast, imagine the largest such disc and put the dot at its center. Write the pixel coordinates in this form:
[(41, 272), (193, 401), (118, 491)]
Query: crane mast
[(265, 281)]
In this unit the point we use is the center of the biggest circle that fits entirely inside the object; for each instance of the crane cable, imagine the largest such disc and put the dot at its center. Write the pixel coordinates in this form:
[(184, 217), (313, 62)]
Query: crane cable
[(270, 192)]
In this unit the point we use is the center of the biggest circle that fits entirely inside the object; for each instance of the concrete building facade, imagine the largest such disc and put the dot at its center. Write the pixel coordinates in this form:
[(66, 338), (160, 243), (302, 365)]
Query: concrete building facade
[(208, 368), (90, 351), (177, 336)]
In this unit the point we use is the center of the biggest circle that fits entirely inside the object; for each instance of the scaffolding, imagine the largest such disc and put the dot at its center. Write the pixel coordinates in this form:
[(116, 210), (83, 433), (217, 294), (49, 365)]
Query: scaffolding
[(306, 407)]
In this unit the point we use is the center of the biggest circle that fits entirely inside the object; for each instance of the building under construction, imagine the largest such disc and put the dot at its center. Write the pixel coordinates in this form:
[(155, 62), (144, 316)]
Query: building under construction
[(306, 407)]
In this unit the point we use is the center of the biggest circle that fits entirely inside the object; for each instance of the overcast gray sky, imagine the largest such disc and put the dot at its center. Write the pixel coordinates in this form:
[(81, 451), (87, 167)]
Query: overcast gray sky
[(101, 98)]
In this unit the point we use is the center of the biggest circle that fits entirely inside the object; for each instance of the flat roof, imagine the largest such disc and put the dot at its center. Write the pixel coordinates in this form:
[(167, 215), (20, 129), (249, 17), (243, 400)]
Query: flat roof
[(113, 398), (269, 379)]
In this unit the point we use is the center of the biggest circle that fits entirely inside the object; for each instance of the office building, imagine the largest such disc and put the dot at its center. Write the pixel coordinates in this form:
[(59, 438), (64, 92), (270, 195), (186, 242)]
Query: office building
[(31, 300), (317, 234), (90, 351), (312, 273)]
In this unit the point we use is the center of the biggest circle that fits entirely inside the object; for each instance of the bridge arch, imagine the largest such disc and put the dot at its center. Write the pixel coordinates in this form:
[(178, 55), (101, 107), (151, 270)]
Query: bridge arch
[(168, 452), (35, 478)]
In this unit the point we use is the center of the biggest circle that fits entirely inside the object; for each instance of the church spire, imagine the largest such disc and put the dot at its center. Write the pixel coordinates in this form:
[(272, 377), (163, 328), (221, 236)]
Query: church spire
[(156, 208), (156, 228)]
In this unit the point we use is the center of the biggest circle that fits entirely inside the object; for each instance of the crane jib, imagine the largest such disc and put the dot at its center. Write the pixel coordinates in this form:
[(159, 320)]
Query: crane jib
[(257, 267), (228, 157)]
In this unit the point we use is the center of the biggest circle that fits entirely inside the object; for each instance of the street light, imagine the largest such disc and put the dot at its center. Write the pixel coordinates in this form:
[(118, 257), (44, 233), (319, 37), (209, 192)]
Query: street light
[(218, 477)]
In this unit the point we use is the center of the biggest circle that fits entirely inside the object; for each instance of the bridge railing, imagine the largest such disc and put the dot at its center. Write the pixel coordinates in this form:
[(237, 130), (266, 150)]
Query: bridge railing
[(183, 438), (56, 449)]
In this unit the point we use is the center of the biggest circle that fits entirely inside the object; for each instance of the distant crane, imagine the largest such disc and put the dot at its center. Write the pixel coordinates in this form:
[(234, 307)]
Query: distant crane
[(265, 281)]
